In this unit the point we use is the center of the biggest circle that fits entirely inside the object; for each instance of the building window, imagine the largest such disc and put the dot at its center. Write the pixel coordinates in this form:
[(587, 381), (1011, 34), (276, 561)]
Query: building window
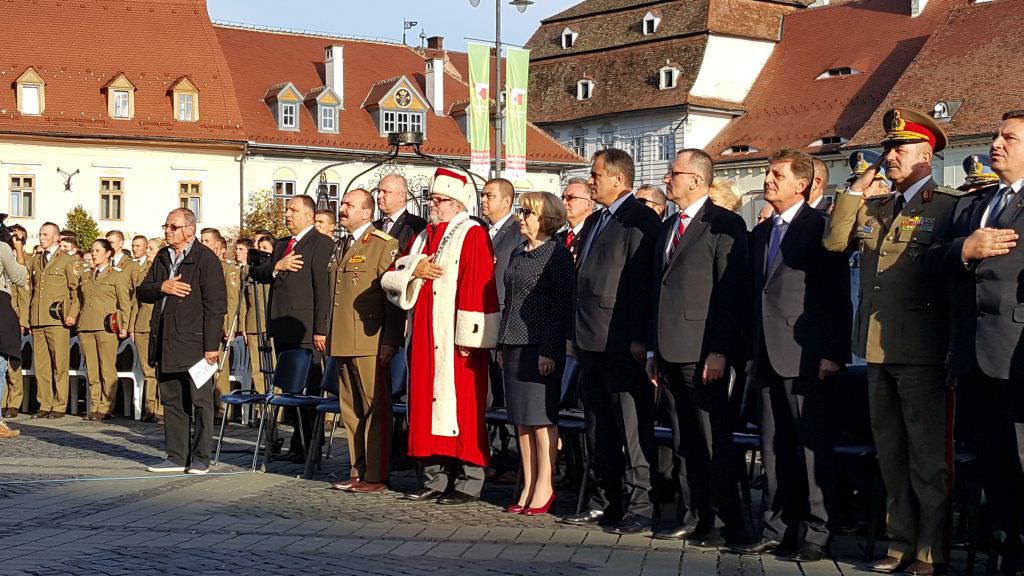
[(288, 119), (635, 147), (607, 140), (667, 78), (651, 23), (569, 38), (579, 146), (401, 121), (328, 119), (836, 72), (190, 196), (23, 192), (30, 100), (31, 93), (284, 190), (122, 109), (666, 147), (584, 90), (332, 196), (186, 107), (111, 199)]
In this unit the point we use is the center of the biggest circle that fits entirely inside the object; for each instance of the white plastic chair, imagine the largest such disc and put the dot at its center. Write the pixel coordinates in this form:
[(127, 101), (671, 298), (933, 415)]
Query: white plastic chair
[(138, 378), (79, 372)]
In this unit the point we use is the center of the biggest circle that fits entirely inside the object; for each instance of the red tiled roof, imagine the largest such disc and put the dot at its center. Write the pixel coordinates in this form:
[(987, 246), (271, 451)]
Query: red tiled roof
[(78, 47), (259, 59), (788, 108), (982, 73)]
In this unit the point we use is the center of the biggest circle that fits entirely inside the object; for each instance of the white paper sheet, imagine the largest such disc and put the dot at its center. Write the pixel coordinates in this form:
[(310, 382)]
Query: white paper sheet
[(201, 372)]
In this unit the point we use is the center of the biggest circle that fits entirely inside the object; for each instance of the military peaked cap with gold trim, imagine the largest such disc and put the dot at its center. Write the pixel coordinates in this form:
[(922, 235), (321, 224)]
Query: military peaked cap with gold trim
[(905, 125)]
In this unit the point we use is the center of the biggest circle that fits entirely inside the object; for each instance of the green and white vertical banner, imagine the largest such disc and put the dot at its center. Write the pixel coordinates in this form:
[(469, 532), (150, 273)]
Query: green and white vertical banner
[(517, 74), (480, 109)]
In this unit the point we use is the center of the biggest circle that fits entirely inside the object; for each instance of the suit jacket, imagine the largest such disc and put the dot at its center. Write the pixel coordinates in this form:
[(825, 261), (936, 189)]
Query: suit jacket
[(505, 240), (613, 280), (56, 282), (362, 318), (574, 246), (987, 295), (802, 311), (701, 294), (404, 229), (183, 329), (902, 316), (142, 313), (103, 295), (300, 302)]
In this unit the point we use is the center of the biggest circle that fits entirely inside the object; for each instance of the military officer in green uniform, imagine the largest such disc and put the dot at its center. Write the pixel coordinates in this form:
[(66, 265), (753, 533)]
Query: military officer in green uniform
[(212, 239), (978, 173), (251, 327), (20, 297), (860, 162), (365, 332), (106, 308), (123, 261), (53, 310), (139, 325), (902, 329)]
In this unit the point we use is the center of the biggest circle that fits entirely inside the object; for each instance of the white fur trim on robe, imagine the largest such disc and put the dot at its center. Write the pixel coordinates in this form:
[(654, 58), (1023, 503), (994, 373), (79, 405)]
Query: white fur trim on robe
[(401, 288), (476, 329)]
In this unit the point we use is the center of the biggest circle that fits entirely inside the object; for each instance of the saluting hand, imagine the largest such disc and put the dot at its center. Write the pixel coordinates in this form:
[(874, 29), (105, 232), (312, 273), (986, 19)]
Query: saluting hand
[(863, 182), (290, 263), (988, 242), (175, 287), (427, 270)]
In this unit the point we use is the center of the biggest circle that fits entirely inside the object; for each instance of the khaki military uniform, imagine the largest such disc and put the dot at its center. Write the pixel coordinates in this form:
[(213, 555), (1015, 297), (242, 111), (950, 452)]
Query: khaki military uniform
[(57, 281), (139, 325), (20, 298), (232, 277), (361, 321), (253, 330), (103, 293), (902, 329)]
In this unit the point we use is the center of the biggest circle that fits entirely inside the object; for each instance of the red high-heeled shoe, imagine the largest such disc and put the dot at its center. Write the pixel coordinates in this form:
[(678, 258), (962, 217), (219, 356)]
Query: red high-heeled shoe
[(514, 509), (542, 510)]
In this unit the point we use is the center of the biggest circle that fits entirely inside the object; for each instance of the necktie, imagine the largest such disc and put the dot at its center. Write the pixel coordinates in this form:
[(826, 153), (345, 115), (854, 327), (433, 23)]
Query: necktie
[(778, 228), (677, 235), (999, 212), (346, 244), (386, 224), (606, 215), (569, 239), (291, 245), (46, 258), (898, 203)]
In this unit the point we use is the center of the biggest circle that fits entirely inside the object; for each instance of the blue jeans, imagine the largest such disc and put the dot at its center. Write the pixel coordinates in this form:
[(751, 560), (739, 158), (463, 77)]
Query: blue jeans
[(3, 380)]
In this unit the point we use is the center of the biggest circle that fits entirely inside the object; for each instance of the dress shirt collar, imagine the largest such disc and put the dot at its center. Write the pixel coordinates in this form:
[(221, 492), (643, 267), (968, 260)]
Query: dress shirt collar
[(184, 251), (497, 225), (52, 251), (790, 212), (615, 205), (303, 233), (692, 209), (909, 193), (358, 233), (817, 202), (1016, 185), (577, 228), (394, 217)]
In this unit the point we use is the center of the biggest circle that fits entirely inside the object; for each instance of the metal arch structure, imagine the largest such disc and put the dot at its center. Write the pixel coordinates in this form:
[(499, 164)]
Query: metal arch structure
[(396, 140)]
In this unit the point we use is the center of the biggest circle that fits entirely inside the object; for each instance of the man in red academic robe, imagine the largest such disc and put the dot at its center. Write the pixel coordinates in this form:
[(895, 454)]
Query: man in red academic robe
[(447, 280)]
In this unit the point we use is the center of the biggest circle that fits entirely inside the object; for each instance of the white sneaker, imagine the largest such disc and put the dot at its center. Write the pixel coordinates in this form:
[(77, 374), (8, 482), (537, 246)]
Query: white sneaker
[(198, 468), (166, 467)]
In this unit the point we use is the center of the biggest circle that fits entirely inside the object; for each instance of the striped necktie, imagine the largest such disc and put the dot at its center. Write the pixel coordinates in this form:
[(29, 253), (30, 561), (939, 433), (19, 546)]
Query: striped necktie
[(677, 235)]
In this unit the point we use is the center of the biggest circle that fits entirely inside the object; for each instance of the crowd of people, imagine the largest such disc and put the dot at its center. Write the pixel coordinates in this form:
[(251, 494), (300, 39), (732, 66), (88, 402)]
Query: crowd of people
[(663, 298)]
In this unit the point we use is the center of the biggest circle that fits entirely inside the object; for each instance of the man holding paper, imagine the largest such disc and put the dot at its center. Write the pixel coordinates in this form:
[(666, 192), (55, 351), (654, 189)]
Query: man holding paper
[(186, 286)]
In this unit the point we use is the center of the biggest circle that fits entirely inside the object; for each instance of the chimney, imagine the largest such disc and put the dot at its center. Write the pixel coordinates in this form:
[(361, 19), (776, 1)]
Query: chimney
[(435, 84), (436, 42), (334, 71), (917, 7)]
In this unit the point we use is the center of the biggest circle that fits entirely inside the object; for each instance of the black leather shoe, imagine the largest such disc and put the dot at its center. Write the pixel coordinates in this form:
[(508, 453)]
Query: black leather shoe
[(678, 533), (710, 539), (424, 495), (584, 518), (54, 415), (809, 552), (630, 524), (11, 413), (455, 498), (41, 414), (762, 546), (889, 565)]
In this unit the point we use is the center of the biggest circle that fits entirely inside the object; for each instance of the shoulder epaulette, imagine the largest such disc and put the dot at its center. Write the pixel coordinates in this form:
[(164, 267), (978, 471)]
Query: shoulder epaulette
[(382, 235), (950, 191), (118, 269)]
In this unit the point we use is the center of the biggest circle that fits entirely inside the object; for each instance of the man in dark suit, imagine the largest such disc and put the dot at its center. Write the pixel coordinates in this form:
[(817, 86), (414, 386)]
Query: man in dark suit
[(816, 195), (981, 255), (578, 207), (300, 293), (701, 282), (611, 329), (186, 286), (395, 220), (801, 337), (496, 201)]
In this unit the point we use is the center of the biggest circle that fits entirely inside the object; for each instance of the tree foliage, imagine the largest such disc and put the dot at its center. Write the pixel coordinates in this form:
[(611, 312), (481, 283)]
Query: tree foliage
[(83, 225), (262, 212)]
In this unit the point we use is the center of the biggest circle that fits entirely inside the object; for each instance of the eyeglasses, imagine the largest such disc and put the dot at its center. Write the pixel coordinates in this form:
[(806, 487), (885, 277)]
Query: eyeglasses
[(571, 197), (673, 173), (173, 227), (438, 200), (525, 213), (651, 203)]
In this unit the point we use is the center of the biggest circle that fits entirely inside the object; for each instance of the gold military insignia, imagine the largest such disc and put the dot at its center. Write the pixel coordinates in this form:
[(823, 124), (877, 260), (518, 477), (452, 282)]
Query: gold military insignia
[(394, 254), (357, 259), (862, 164), (897, 124), (381, 235), (976, 167)]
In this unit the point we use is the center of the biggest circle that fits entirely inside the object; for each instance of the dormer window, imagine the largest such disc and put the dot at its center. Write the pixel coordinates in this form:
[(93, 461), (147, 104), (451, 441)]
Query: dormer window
[(186, 100), (120, 98), (397, 106), (668, 77), (284, 100), (569, 37), (323, 105), (31, 97), (584, 89), (288, 115), (739, 149), (328, 119), (836, 72), (651, 22)]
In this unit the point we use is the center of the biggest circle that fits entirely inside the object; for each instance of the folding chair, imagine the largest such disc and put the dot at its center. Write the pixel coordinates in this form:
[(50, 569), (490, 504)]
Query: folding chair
[(75, 351), (329, 405), (132, 396), (291, 377)]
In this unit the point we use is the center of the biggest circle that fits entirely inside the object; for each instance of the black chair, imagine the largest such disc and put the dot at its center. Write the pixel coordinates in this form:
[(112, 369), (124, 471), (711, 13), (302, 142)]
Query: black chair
[(330, 405), (292, 385)]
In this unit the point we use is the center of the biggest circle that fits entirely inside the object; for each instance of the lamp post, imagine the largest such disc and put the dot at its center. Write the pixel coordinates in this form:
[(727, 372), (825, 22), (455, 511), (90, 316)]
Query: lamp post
[(499, 115)]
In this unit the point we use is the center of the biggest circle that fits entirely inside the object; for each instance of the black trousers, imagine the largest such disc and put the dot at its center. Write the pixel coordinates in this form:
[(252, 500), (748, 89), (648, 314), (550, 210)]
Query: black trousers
[(708, 489), (179, 395), (797, 452), (618, 403), (999, 421), (447, 475)]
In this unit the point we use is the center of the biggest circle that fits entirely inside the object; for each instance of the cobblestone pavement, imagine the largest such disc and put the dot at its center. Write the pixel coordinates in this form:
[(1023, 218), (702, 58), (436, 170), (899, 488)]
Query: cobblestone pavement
[(75, 499)]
